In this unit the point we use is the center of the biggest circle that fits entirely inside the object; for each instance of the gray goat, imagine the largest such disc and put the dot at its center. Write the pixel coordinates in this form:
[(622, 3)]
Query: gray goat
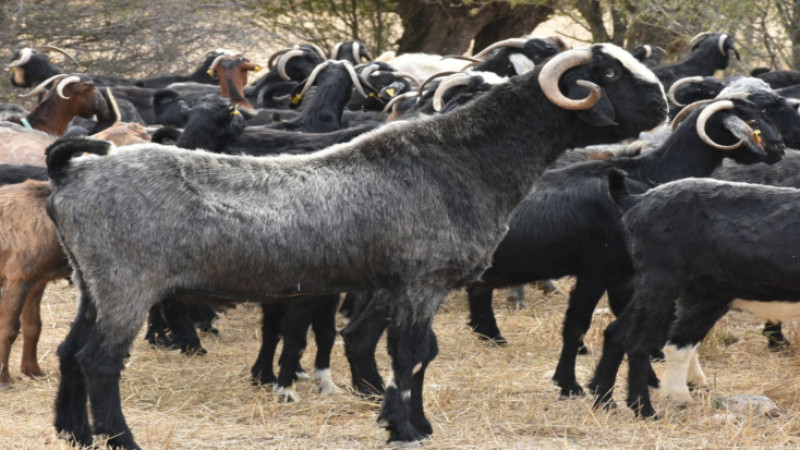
[(408, 211)]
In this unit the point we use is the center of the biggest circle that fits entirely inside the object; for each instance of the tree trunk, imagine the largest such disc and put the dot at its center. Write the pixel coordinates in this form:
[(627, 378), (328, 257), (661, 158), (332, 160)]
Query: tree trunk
[(448, 26)]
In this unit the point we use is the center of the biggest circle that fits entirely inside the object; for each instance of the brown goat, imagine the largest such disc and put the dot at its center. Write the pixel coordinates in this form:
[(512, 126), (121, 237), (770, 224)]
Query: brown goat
[(231, 70), (21, 146), (30, 257)]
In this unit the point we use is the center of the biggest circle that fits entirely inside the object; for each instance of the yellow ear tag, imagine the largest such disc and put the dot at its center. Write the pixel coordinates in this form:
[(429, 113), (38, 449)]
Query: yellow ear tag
[(257, 69), (235, 112), (52, 60), (390, 92), (757, 136), (297, 99), (12, 69), (373, 95), (210, 73)]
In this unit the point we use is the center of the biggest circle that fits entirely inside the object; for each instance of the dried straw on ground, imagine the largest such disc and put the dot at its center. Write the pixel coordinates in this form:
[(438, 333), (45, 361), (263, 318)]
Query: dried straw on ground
[(477, 395)]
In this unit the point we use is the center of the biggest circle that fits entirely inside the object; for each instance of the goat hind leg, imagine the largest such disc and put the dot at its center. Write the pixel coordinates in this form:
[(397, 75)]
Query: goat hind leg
[(294, 328), (361, 336), (31, 330), (71, 415), (12, 301), (324, 325)]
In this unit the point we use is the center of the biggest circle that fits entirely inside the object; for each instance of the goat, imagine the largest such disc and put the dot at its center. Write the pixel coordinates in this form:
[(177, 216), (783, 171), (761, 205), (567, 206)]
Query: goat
[(30, 66), (710, 52), (231, 71), (335, 81), (215, 125), (780, 78), (287, 67), (353, 51), (70, 96), (31, 258), (691, 89), (408, 211), (697, 245), (649, 55)]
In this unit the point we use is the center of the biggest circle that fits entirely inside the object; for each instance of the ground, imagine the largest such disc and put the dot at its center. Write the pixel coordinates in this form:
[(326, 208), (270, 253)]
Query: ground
[(476, 395)]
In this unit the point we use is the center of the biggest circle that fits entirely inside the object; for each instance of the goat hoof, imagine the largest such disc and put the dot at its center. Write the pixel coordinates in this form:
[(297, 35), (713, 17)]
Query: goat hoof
[(497, 339), (287, 395), (191, 350), (582, 350), (573, 390), (34, 372), (777, 346)]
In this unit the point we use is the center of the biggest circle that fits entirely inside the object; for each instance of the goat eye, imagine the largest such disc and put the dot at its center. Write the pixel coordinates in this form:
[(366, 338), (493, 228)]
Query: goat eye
[(611, 73)]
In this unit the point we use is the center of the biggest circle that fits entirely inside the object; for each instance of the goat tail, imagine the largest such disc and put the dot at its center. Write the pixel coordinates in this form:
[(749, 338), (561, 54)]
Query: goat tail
[(619, 189), (60, 152)]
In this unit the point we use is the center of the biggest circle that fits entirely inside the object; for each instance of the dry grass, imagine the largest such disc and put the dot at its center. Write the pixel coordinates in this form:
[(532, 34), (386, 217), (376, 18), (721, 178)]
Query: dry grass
[(476, 395)]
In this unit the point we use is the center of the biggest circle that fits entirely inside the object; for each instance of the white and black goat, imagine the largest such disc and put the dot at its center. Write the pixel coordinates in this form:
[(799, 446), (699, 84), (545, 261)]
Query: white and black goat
[(408, 211), (697, 246)]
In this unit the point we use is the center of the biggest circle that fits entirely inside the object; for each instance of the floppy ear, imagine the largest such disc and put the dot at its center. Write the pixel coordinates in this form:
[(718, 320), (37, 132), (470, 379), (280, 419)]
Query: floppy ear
[(600, 115), (295, 99)]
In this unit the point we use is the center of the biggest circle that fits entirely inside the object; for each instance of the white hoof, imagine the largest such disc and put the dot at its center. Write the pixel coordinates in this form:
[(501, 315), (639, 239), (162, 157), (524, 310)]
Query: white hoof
[(287, 395), (324, 382)]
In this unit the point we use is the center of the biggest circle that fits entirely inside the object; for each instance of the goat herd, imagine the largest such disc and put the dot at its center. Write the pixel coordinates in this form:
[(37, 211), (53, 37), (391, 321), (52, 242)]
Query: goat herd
[(346, 175)]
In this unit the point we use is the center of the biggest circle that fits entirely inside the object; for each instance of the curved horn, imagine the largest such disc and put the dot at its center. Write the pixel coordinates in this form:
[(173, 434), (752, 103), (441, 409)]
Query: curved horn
[(648, 50), (457, 79), (284, 59), (391, 102), (313, 77), (678, 84), (24, 56), (682, 114), (368, 70), (114, 107), (433, 77), (551, 74), (703, 119), (513, 42), (319, 51), (697, 38), (275, 56), (354, 78), (64, 83), (216, 61), (46, 48), (411, 78), (721, 44), (661, 49), (43, 85), (356, 52), (335, 50)]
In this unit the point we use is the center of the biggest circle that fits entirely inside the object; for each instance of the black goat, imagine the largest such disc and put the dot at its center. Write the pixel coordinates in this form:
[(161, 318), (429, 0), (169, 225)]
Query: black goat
[(287, 68), (215, 125), (697, 245), (649, 55), (353, 51), (408, 212), (780, 78), (335, 81), (710, 52)]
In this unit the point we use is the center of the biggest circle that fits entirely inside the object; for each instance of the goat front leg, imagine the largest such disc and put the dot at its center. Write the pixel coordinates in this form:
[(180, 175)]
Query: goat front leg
[(361, 336), (31, 330), (261, 371), (409, 340), (324, 325)]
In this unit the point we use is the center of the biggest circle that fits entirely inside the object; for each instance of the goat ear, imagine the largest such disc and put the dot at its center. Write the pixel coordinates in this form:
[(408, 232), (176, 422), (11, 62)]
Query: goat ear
[(602, 114), (295, 99), (741, 130)]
